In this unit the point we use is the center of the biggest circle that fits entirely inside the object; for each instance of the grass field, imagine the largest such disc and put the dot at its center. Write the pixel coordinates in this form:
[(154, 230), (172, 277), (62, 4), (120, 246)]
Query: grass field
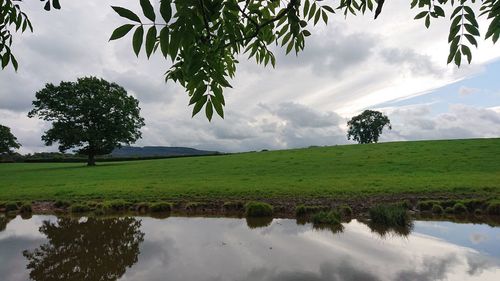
[(424, 167)]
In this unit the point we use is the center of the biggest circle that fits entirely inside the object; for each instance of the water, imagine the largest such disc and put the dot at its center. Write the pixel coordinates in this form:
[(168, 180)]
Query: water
[(176, 248)]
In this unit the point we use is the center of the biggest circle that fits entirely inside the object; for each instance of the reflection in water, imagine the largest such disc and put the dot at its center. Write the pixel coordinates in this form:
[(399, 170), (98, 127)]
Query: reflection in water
[(4, 220), (334, 228), (85, 249), (385, 231), (209, 249), (256, 222)]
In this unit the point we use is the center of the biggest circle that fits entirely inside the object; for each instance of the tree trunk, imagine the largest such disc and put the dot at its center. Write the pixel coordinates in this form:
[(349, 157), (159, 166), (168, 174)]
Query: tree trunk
[(91, 160)]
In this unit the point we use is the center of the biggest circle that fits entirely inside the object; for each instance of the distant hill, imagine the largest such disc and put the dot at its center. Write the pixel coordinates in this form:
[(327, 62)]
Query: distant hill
[(152, 151)]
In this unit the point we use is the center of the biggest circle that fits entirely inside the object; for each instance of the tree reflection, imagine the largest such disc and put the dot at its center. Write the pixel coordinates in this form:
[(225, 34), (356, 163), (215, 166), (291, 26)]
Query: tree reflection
[(86, 249), (4, 220)]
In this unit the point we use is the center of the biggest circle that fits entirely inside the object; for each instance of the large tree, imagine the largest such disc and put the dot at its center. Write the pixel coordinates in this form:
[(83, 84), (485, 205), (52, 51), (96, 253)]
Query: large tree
[(367, 126), (91, 115), (7, 141), (204, 37)]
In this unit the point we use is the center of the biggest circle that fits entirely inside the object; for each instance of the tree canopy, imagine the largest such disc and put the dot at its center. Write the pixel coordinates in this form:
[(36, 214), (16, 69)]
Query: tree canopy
[(203, 38), (367, 126), (92, 115), (7, 140)]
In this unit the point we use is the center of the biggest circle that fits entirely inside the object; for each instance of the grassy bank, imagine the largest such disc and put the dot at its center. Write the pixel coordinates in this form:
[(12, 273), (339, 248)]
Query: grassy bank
[(425, 167)]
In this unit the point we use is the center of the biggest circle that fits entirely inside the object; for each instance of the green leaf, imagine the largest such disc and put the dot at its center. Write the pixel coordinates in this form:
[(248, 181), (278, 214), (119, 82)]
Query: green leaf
[(458, 58), (427, 21), (306, 8), (316, 17), (125, 13), (56, 4), (198, 94), (329, 9), (121, 31), (137, 40), (421, 15), (439, 11), (466, 51), (306, 33), (148, 10), (218, 107), (164, 38), (209, 110), (150, 40), (471, 29), (14, 61), (471, 39), (311, 11), (165, 10), (5, 60), (199, 105)]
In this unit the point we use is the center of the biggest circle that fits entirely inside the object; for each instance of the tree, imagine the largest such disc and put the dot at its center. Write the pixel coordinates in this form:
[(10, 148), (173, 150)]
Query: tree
[(90, 249), (367, 127), (91, 114), (204, 37), (7, 141)]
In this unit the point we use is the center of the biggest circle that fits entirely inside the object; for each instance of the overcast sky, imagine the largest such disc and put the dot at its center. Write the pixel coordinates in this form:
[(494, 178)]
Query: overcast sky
[(392, 64)]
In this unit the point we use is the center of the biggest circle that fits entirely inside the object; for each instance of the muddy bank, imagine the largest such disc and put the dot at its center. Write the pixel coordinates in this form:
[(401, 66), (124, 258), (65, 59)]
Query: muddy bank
[(282, 207)]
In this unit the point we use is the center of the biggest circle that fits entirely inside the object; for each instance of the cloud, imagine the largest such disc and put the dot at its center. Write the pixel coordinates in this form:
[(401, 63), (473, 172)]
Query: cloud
[(465, 91), (349, 65), (460, 121), (409, 60)]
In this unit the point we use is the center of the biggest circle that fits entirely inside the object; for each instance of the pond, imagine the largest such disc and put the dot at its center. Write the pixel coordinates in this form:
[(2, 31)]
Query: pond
[(187, 248)]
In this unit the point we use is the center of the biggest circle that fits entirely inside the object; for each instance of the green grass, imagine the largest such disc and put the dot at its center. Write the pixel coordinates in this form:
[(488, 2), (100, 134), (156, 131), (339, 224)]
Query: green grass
[(425, 167), (389, 215)]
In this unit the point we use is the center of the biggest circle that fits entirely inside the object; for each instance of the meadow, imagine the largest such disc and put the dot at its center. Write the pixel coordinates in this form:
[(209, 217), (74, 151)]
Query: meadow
[(447, 167)]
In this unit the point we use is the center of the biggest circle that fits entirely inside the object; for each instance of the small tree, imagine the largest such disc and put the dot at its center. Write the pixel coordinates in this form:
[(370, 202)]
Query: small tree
[(367, 127), (91, 114), (7, 140)]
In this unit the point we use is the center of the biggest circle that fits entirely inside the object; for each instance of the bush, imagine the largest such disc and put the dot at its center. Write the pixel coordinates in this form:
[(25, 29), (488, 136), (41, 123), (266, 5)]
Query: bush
[(326, 218), (389, 215), (478, 212), (62, 204), (79, 208), (161, 207), (437, 209), (345, 211), (258, 209), (117, 205), (493, 207), (302, 210), (426, 205), (25, 208), (233, 206), (448, 210), (142, 207), (459, 208), (10, 206)]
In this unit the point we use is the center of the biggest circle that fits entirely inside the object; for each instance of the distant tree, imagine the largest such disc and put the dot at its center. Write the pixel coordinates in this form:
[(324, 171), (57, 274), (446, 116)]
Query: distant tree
[(92, 115), (7, 141), (367, 127)]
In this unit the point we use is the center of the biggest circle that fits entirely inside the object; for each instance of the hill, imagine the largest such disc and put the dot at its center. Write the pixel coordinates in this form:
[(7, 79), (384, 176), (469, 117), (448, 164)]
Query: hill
[(451, 167), (155, 151)]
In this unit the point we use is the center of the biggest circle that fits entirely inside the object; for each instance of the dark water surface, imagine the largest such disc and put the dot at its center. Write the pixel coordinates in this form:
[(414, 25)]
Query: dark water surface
[(178, 248)]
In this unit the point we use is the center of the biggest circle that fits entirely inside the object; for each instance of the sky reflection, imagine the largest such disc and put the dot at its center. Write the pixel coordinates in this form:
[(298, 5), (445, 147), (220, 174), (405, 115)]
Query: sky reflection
[(233, 249)]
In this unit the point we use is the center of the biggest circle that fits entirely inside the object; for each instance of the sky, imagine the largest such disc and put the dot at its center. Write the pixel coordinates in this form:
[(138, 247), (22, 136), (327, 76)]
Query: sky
[(392, 64)]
